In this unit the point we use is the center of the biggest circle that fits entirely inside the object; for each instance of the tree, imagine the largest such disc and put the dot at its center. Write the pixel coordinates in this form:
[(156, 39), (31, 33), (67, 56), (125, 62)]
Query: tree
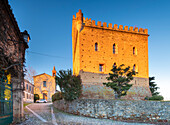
[(36, 97), (70, 85), (119, 80), (30, 72), (153, 87)]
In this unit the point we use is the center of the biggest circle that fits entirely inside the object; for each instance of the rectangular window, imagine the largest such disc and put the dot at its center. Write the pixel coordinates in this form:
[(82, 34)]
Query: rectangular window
[(101, 67), (44, 83), (30, 89), (23, 94), (27, 86)]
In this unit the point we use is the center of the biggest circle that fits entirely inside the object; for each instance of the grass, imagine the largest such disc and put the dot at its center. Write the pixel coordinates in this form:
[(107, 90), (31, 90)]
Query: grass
[(25, 104)]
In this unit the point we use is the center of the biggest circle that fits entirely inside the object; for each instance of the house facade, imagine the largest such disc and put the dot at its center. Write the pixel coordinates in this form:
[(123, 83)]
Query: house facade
[(44, 85), (28, 94), (12, 58), (96, 47)]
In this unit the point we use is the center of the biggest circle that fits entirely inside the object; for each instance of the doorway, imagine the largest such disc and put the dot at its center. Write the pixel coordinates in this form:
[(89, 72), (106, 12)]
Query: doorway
[(45, 96)]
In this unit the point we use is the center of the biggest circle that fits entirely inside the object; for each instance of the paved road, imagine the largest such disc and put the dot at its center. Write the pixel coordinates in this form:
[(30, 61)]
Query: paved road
[(45, 114)]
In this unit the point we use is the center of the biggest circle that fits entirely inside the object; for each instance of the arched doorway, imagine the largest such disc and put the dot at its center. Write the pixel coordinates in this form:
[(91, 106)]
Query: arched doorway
[(45, 93)]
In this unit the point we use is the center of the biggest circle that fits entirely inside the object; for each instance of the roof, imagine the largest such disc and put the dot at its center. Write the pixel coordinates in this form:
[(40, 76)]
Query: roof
[(25, 80), (42, 74)]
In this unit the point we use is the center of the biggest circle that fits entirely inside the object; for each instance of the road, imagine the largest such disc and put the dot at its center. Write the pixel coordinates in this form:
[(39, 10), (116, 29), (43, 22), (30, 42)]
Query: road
[(45, 114)]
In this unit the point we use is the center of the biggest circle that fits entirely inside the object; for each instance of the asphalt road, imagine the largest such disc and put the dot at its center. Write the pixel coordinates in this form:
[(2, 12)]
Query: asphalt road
[(45, 114)]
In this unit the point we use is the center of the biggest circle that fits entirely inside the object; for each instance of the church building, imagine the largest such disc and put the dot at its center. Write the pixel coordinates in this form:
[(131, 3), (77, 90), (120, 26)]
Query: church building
[(44, 85), (96, 47)]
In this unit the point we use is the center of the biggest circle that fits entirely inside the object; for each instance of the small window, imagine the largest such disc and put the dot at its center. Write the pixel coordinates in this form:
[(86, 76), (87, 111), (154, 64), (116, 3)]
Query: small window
[(27, 86), (96, 46), (23, 94), (114, 64), (27, 95), (44, 83), (134, 67), (30, 88), (101, 67), (115, 49), (134, 51)]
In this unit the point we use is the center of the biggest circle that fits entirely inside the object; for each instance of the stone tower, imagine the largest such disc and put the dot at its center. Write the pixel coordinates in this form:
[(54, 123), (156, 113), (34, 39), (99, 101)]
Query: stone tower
[(54, 71), (96, 47)]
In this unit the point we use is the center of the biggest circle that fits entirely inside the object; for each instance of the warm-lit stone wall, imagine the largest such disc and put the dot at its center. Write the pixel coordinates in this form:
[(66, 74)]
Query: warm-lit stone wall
[(131, 49), (118, 110), (93, 87), (86, 33), (44, 92)]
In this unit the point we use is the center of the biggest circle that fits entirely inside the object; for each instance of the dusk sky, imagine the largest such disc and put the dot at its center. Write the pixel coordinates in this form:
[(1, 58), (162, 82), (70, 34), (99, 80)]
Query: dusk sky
[(49, 23)]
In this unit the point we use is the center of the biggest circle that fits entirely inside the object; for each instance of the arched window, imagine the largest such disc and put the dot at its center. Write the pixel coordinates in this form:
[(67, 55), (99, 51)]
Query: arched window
[(96, 46), (135, 68), (115, 50), (134, 51), (114, 64)]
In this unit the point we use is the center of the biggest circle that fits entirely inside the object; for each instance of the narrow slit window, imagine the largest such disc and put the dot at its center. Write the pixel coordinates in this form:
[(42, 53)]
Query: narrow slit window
[(115, 51), (134, 67), (96, 46), (134, 51)]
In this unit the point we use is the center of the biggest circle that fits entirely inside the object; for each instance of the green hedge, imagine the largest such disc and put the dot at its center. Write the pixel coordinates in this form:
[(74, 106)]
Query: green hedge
[(36, 97), (57, 96), (156, 97)]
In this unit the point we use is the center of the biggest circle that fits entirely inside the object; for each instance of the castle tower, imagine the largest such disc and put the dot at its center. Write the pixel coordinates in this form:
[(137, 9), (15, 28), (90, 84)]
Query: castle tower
[(96, 47), (54, 71)]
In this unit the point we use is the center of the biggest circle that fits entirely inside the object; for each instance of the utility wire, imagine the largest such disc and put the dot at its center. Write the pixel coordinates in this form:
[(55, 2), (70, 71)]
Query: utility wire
[(42, 54)]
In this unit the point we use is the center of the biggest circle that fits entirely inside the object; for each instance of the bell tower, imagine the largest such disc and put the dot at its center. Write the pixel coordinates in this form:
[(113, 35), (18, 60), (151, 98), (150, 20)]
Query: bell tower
[(54, 71)]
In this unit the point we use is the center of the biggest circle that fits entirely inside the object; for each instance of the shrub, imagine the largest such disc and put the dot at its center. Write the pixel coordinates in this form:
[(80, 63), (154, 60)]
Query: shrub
[(57, 96), (119, 80), (36, 97), (146, 98), (156, 97), (69, 84)]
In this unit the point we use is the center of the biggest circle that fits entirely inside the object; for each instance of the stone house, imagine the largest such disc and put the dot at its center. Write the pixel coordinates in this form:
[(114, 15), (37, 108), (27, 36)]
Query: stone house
[(44, 85), (96, 47), (13, 44), (28, 94)]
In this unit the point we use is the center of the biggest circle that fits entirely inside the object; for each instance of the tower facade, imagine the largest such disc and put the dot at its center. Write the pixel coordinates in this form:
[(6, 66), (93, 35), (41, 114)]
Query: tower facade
[(96, 47)]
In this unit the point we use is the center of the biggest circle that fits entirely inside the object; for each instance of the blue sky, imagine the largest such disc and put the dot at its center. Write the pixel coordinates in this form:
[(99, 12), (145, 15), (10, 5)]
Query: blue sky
[(49, 23)]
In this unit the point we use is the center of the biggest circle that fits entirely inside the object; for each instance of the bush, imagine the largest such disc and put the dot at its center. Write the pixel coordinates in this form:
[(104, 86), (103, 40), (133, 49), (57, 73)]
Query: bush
[(70, 85), (57, 96), (146, 98), (156, 97), (36, 97)]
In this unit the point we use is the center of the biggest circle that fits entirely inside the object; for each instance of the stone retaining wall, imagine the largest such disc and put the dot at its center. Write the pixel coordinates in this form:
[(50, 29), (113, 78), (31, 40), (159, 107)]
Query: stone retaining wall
[(93, 87), (118, 110)]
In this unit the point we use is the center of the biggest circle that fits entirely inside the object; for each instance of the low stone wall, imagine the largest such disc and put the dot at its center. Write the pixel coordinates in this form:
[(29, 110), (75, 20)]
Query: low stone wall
[(118, 110)]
